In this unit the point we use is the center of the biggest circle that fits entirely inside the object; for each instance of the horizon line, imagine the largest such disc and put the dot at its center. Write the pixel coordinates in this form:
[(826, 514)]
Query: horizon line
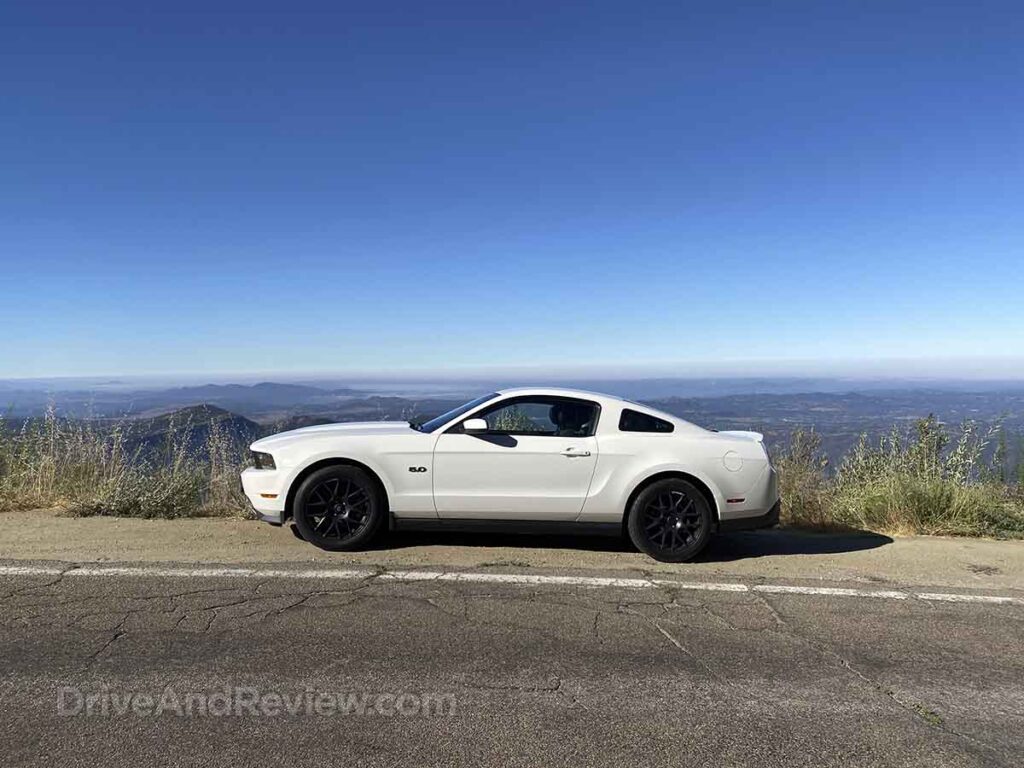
[(960, 368)]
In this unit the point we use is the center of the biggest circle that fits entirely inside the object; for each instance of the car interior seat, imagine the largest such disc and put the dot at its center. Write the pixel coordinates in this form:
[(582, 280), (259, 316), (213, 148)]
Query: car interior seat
[(571, 420)]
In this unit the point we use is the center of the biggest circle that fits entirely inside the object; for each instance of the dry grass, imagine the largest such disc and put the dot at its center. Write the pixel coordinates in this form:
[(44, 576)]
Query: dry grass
[(90, 470)]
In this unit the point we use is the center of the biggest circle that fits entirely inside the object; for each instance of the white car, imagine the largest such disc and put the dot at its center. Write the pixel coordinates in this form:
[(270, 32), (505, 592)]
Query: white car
[(546, 458)]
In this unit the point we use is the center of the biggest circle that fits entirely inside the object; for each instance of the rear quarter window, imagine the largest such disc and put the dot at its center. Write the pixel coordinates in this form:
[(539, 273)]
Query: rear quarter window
[(634, 421)]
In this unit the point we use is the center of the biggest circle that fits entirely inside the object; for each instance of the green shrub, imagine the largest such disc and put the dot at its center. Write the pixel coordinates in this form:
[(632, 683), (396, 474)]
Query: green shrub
[(916, 483)]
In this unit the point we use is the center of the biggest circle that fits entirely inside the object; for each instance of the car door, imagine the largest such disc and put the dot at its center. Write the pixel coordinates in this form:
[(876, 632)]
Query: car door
[(535, 462)]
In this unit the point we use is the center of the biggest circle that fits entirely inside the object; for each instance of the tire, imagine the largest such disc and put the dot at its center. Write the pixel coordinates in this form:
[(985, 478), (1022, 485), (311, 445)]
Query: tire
[(670, 520), (339, 508)]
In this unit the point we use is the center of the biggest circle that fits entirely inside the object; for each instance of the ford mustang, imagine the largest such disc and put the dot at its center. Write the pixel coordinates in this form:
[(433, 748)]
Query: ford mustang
[(546, 458)]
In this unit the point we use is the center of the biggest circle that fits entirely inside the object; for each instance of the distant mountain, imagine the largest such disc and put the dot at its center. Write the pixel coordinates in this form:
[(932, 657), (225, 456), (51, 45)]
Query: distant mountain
[(250, 400), (192, 428), (264, 400), (841, 419)]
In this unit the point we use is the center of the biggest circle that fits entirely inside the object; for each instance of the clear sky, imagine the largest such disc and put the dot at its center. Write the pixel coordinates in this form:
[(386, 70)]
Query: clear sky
[(305, 186)]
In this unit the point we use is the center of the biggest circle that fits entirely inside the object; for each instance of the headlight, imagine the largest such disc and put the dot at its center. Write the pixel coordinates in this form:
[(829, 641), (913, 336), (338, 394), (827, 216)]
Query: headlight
[(263, 460)]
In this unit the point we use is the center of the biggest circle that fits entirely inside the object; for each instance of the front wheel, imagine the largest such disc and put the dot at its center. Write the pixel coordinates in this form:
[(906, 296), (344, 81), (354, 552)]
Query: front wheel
[(670, 520), (339, 508)]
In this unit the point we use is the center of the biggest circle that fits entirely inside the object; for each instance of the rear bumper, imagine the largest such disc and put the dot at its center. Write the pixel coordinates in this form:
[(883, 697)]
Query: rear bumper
[(768, 520)]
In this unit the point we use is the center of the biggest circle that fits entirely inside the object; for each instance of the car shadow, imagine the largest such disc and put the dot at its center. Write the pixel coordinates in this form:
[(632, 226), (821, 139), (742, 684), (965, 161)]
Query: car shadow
[(583, 542), (724, 547), (788, 541)]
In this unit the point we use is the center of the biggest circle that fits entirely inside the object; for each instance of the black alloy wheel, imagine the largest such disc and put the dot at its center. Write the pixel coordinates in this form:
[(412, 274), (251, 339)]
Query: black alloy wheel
[(338, 508), (670, 520)]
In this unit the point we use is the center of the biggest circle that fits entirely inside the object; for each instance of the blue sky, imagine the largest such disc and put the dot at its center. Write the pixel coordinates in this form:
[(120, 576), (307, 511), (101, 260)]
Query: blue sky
[(331, 187)]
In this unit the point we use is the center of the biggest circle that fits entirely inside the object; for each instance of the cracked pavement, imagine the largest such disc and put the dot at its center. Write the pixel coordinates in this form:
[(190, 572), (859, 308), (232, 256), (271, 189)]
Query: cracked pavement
[(551, 674)]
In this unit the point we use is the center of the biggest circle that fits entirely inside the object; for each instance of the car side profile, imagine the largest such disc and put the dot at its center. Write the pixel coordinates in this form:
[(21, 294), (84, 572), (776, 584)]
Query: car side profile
[(538, 457)]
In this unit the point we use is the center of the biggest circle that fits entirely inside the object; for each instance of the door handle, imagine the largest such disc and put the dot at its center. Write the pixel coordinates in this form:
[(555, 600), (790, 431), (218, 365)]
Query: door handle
[(572, 452)]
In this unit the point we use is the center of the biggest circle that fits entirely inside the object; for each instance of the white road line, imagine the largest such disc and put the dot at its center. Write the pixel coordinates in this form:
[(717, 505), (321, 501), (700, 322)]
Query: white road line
[(517, 578), (494, 578), (28, 570), (702, 585), (952, 598), (833, 591), (128, 570), (243, 573)]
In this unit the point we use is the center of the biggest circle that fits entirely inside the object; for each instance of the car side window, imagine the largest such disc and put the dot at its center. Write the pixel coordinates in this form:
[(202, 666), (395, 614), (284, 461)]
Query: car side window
[(553, 417), (634, 421)]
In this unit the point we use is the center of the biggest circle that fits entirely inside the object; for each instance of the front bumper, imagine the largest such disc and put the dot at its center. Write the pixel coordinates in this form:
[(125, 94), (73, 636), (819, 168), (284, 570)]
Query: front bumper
[(264, 488), (274, 518)]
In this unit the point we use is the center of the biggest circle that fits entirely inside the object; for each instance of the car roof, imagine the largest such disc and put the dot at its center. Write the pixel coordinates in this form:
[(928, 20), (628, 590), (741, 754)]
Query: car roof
[(557, 392)]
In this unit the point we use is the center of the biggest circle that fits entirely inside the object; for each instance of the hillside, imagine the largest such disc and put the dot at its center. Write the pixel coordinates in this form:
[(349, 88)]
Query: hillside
[(193, 428)]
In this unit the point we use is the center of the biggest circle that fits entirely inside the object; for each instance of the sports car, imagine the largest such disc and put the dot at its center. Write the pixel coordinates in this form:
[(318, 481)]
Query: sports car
[(537, 458)]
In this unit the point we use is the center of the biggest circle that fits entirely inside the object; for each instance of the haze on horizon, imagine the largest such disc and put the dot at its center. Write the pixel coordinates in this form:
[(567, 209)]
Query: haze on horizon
[(677, 189), (831, 375)]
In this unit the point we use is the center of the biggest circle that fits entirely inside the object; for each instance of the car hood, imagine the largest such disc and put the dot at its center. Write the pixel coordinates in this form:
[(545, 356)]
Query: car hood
[(350, 429)]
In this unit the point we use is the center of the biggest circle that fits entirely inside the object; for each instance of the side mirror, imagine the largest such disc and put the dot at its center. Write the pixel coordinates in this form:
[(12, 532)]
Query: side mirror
[(474, 426)]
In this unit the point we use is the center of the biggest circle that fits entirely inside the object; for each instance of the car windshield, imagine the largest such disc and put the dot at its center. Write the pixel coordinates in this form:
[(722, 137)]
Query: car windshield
[(454, 413)]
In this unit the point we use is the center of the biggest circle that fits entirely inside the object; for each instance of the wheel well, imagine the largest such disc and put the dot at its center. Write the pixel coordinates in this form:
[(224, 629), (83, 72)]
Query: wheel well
[(696, 482), (334, 462)]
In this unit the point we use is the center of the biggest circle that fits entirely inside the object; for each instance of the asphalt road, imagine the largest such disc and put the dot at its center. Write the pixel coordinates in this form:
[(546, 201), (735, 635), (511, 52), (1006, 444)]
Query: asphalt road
[(525, 674)]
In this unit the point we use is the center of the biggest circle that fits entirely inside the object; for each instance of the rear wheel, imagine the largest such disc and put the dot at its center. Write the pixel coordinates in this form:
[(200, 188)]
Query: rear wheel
[(339, 508), (670, 520)]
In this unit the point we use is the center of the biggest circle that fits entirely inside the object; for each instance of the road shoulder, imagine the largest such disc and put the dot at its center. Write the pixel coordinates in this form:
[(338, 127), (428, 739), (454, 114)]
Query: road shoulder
[(773, 556)]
